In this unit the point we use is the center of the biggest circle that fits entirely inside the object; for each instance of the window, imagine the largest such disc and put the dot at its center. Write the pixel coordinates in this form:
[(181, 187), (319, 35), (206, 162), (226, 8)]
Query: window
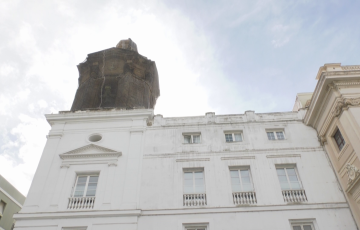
[(86, 186), (191, 138), (241, 180), (195, 228), (339, 139), (233, 137), (194, 182), (288, 178), (74, 228), (307, 226), (2, 208), (275, 135)]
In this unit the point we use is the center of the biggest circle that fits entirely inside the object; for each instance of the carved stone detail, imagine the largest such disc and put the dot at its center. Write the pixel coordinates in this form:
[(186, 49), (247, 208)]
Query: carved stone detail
[(343, 105), (149, 122), (353, 173), (322, 140)]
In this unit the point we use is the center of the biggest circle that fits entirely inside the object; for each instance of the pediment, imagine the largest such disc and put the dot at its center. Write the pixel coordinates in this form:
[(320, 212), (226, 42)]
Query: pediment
[(90, 151)]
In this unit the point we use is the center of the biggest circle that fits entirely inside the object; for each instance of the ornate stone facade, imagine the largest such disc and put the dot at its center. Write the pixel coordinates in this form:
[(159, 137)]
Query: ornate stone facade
[(334, 111)]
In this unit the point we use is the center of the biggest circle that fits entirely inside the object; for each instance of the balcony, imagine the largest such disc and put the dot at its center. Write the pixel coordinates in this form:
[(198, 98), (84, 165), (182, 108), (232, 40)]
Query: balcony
[(294, 196), (244, 198), (194, 199), (80, 203)]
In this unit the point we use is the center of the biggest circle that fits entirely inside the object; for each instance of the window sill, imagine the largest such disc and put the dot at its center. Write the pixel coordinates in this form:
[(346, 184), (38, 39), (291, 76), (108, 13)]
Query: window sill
[(234, 142), (191, 143)]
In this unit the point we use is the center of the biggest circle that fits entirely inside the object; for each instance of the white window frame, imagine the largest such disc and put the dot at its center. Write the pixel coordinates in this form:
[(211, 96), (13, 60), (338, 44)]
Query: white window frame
[(287, 177), (192, 137), (274, 131), (233, 136), (302, 226), (73, 228), (86, 185), (193, 170), (238, 168), (196, 226), (343, 139), (302, 222)]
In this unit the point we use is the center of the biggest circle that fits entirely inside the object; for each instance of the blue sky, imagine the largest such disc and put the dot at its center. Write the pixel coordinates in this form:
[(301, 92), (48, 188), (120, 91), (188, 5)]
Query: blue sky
[(220, 56)]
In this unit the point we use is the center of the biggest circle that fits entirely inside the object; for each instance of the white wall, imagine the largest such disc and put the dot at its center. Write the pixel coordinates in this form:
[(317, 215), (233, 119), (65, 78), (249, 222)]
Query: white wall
[(145, 186)]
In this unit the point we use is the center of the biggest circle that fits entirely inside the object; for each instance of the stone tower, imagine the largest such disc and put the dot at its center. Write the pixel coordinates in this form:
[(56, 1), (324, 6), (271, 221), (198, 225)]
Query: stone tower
[(117, 78)]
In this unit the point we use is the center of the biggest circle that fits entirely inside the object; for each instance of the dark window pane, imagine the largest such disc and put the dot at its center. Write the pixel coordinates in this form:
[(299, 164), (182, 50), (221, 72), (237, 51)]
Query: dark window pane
[(339, 139)]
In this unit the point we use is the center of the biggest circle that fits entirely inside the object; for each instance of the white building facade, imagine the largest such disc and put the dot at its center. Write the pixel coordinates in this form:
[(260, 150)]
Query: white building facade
[(105, 167), (128, 169)]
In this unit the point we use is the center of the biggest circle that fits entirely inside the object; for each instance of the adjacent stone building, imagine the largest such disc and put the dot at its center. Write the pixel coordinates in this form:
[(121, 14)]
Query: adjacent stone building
[(121, 167), (333, 109), (11, 201)]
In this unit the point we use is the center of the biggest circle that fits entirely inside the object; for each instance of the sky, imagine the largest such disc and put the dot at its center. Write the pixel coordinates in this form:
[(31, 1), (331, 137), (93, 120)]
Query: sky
[(212, 56)]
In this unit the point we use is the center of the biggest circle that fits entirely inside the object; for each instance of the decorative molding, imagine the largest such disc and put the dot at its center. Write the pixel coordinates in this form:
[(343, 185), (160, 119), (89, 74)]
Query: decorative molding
[(237, 158), (356, 195), (112, 163), (149, 122), (235, 152), (351, 67), (341, 153), (194, 159), (339, 106), (346, 83), (322, 140), (343, 104), (53, 136), (283, 155), (353, 176), (90, 155), (91, 148), (90, 152), (65, 166)]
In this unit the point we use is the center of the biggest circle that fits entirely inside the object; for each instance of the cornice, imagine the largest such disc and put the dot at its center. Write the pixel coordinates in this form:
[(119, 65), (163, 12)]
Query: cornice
[(76, 214), (234, 153), (91, 155), (192, 159), (238, 158), (326, 83), (351, 67), (106, 115), (283, 155), (338, 107), (98, 148)]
